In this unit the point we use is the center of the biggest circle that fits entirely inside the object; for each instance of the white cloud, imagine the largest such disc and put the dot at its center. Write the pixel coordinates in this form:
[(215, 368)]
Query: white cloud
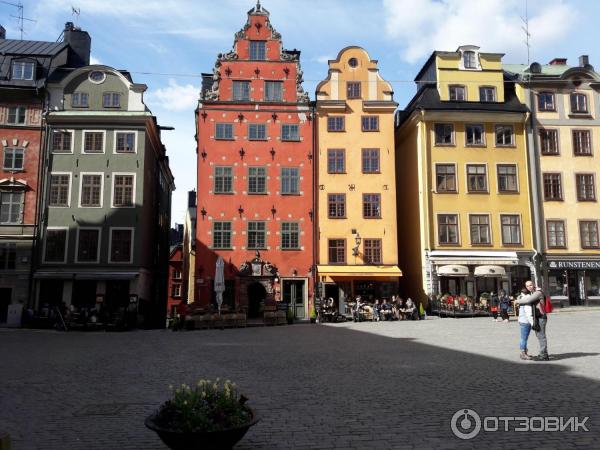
[(323, 59), (94, 60), (174, 97), (494, 25)]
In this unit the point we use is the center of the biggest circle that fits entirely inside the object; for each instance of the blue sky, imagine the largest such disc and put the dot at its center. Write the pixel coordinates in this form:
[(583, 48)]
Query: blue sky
[(168, 43)]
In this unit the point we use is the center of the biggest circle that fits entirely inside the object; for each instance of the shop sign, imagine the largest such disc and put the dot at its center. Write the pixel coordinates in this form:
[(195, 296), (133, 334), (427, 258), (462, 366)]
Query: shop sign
[(574, 264)]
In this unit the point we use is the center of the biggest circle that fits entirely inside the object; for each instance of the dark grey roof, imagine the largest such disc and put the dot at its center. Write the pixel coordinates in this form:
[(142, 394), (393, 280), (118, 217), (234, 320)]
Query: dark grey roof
[(30, 48)]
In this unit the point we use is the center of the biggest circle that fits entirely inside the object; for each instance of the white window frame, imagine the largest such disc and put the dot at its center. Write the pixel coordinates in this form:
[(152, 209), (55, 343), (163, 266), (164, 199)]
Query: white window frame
[(64, 261), (522, 243), (70, 189), (457, 86), (16, 123), (79, 105), (437, 229), (99, 245), (483, 135), (494, 94), (72, 132), (434, 174), (81, 174), (491, 229), (83, 133), (510, 163), (22, 63), (110, 230), (112, 190), (13, 148), (487, 178), (135, 143)]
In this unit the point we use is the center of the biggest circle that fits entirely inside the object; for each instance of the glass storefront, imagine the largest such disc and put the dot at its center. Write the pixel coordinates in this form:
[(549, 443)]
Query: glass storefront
[(577, 287)]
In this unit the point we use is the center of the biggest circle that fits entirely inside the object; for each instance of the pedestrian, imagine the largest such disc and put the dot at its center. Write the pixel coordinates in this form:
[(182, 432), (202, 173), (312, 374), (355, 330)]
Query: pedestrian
[(504, 301), (494, 306), (525, 323), (537, 301), (357, 306)]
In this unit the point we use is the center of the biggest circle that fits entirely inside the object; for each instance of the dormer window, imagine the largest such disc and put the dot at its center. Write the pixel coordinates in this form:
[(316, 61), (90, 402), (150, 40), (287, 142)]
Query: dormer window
[(457, 93), (111, 100), (469, 57), (487, 94), (23, 70), (469, 60), (258, 50)]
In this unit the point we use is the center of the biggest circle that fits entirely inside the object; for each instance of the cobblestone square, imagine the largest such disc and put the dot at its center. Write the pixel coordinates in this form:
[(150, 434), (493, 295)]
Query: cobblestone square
[(351, 385)]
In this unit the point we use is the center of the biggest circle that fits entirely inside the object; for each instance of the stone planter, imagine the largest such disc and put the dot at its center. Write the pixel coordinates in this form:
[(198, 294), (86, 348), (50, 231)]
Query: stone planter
[(209, 440)]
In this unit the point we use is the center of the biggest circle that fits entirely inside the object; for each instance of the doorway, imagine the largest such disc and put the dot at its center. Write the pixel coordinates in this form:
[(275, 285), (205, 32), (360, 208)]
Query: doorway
[(256, 300), (293, 295), (117, 294), (5, 299)]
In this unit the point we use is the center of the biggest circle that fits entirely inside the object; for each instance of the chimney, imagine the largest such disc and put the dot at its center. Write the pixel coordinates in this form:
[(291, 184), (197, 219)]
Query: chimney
[(558, 62), (2, 32), (584, 61), (191, 199), (80, 45)]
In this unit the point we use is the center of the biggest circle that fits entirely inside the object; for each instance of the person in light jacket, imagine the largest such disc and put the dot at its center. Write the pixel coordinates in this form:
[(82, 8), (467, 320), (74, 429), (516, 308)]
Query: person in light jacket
[(537, 301), (525, 323)]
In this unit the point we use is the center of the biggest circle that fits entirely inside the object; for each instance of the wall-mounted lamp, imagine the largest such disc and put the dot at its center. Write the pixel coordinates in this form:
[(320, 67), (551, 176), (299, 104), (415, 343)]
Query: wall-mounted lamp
[(357, 240), (295, 272), (272, 152), (273, 211), (240, 210), (204, 154), (311, 214), (257, 71), (242, 152), (203, 213)]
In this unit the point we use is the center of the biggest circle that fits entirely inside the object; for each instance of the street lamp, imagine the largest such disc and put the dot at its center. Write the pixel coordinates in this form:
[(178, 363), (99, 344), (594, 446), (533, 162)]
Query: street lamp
[(357, 240)]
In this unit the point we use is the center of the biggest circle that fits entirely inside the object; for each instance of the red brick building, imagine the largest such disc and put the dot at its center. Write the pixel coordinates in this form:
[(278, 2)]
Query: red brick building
[(255, 175), (176, 289)]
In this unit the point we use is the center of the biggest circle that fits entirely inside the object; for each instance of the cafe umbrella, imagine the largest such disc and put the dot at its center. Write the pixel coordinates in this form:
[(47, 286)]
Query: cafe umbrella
[(220, 282)]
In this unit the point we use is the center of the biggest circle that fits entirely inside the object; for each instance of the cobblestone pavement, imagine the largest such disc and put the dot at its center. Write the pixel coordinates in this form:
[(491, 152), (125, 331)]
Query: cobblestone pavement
[(366, 385)]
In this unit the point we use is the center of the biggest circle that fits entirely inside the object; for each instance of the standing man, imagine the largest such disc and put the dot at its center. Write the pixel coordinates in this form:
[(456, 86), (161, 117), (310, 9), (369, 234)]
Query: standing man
[(537, 300)]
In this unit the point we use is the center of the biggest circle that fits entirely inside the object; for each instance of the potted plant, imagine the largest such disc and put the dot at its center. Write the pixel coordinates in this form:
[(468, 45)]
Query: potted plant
[(313, 314), (290, 316), (209, 415)]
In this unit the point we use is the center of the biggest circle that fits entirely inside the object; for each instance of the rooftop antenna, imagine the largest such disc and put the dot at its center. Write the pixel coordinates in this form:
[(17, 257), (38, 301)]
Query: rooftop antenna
[(525, 28), (76, 12), (20, 17)]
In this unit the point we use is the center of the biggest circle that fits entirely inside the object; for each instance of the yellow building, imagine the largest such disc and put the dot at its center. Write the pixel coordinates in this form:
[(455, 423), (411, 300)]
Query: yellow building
[(463, 192), (357, 249), (565, 109)]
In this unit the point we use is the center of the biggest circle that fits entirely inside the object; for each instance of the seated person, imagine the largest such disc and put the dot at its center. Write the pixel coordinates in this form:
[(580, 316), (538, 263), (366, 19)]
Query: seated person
[(386, 310), (377, 311), (411, 309), (356, 309)]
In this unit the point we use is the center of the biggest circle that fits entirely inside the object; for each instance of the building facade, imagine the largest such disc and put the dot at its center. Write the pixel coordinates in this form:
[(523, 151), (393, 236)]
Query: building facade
[(24, 70), (357, 247), (255, 175), (106, 196), (176, 288), (189, 249), (565, 126), (463, 185)]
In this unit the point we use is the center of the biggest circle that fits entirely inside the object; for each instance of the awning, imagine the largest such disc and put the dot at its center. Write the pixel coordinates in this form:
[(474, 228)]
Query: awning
[(471, 257), (453, 270), (45, 275), (490, 271), (360, 271)]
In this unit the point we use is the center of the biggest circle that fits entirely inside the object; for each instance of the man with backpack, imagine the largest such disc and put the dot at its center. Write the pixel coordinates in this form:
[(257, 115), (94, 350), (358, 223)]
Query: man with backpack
[(541, 308)]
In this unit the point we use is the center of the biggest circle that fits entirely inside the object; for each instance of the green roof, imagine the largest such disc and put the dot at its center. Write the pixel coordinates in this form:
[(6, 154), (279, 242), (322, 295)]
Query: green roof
[(547, 69)]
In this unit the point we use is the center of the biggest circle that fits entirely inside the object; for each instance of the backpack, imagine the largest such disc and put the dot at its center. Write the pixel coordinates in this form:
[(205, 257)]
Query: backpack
[(548, 305)]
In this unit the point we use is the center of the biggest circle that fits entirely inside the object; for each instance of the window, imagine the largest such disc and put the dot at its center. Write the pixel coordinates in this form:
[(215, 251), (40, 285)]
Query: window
[(56, 246), (549, 142), (353, 89), (222, 235), (176, 274), (8, 256), (444, 134), (511, 229), (487, 94), (337, 251), (23, 70), (258, 50), (507, 178), (479, 225), (457, 93), (80, 100), (336, 161), (290, 132), (552, 186), (372, 206), (121, 241), (257, 180), (97, 76), (123, 191), (61, 141), (91, 190), (257, 132), (546, 101), (223, 180), (579, 103), (372, 251), (16, 115), (447, 229), (370, 160), (586, 191), (13, 159), (11, 207), (445, 178), (504, 135), (353, 62), (582, 143), (176, 290), (125, 142), (290, 235), (474, 135), (555, 233), (588, 233), (336, 206), (335, 123), (241, 90), (273, 91), (87, 244), (111, 100), (370, 123), (476, 178), (290, 180), (93, 142), (224, 131), (469, 60), (60, 186), (256, 235)]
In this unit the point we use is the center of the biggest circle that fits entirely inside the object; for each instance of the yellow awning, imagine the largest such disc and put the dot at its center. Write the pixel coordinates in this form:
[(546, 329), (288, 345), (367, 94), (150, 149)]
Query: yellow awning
[(359, 271)]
